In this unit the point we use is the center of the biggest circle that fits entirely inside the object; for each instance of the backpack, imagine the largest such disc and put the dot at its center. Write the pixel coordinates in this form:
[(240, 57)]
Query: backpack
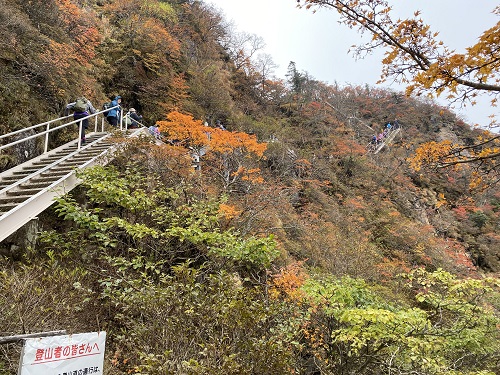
[(80, 105), (106, 106)]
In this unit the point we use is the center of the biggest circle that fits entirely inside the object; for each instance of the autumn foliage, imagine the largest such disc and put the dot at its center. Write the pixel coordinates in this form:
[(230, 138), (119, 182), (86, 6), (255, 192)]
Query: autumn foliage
[(278, 246)]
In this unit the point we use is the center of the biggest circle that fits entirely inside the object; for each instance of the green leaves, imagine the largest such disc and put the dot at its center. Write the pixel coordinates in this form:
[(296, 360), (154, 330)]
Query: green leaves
[(258, 252), (446, 330), (128, 208)]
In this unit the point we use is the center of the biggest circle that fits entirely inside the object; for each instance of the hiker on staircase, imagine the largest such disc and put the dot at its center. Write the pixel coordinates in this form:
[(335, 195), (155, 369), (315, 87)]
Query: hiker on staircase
[(81, 108), (380, 138), (113, 115), (134, 118)]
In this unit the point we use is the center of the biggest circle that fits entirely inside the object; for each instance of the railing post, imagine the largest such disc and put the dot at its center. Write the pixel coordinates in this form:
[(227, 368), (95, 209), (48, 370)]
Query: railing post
[(46, 147), (96, 120), (80, 134)]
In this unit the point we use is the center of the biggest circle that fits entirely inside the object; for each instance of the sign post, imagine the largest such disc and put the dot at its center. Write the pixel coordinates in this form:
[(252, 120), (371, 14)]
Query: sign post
[(77, 354)]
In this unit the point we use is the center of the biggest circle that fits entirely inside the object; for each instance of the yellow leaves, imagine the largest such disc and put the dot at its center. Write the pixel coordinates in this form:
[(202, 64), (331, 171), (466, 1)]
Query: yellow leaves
[(441, 200), (486, 152), (430, 153), (456, 61), (390, 56), (477, 182), (152, 62)]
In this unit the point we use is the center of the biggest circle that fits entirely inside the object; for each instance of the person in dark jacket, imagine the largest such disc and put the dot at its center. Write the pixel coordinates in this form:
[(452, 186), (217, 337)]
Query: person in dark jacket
[(135, 119), (82, 108)]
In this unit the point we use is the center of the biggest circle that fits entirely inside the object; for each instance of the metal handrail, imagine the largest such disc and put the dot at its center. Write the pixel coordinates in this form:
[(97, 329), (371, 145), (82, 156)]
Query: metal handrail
[(137, 122), (34, 127), (49, 130), (47, 167), (70, 176), (48, 188)]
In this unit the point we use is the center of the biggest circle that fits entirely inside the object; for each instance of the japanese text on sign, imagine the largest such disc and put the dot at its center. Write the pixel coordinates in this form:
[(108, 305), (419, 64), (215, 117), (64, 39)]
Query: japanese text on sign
[(78, 354)]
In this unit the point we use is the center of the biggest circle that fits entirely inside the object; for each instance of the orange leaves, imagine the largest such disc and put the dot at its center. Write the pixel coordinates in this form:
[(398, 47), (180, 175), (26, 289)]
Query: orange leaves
[(251, 175), (147, 27), (229, 212), (184, 128), (57, 55), (81, 27), (226, 153), (355, 203), (347, 147), (69, 11), (224, 141), (154, 34), (86, 43), (178, 90), (289, 280)]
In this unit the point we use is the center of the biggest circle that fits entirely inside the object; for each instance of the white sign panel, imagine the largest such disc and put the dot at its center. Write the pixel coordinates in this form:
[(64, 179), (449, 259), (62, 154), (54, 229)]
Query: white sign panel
[(78, 354)]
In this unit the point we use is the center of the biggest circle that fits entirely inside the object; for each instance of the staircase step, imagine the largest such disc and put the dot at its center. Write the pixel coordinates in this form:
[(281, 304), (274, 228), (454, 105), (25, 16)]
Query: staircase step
[(31, 169), (24, 191), (21, 173), (60, 168), (43, 179), (35, 185), (12, 179), (54, 175), (43, 163), (13, 199), (5, 207), (80, 158)]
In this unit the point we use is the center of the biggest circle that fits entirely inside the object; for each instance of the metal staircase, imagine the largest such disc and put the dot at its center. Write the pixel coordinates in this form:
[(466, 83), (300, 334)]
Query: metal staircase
[(388, 140), (29, 188), (375, 148)]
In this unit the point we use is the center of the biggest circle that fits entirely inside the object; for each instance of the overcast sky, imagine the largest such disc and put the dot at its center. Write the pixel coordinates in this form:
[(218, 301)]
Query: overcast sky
[(319, 45)]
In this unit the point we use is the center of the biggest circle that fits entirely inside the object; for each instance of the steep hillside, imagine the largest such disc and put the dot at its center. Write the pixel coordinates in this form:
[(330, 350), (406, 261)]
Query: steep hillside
[(293, 250)]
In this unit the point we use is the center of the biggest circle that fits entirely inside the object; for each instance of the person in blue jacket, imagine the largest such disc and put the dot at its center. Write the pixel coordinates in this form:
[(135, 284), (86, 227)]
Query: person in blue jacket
[(113, 115)]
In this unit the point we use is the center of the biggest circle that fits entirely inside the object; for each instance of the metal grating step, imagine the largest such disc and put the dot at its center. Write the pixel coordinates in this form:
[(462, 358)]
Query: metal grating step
[(25, 191), (14, 199)]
